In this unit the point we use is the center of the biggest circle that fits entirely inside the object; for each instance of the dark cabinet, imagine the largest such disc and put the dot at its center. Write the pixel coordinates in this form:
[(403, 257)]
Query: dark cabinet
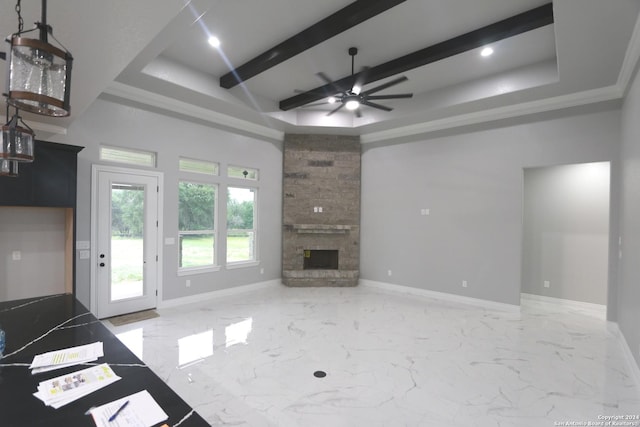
[(49, 181)]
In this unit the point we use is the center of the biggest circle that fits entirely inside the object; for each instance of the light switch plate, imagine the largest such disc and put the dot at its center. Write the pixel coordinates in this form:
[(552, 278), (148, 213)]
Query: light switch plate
[(83, 244)]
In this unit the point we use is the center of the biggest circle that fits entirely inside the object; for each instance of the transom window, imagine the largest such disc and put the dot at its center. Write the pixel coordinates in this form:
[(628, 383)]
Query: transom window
[(127, 156), (242, 172)]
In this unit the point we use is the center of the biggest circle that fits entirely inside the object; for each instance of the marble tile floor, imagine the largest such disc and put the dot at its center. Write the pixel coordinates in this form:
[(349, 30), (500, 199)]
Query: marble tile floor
[(390, 360)]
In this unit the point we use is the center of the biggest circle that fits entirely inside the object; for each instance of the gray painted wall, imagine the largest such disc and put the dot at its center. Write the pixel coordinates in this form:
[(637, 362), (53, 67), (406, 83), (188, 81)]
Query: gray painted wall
[(39, 235), (472, 184), (629, 275), (566, 232), (113, 124)]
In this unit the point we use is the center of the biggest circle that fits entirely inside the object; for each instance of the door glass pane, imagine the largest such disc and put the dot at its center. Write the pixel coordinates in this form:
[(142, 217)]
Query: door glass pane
[(127, 241)]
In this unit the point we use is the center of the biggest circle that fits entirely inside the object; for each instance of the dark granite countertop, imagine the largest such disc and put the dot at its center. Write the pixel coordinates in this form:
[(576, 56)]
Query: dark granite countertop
[(40, 325)]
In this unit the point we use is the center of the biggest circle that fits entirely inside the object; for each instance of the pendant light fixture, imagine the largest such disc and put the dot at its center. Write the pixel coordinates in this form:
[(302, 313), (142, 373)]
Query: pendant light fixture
[(8, 168), (38, 73), (16, 143)]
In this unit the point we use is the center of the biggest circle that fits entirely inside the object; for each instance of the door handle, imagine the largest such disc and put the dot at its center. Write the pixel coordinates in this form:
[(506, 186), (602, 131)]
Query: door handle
[(102, 264), (101, 255)]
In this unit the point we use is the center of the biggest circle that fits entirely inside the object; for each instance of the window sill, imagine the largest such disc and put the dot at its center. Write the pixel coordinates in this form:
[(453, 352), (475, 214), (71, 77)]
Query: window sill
[(242, 264), (197, 270)]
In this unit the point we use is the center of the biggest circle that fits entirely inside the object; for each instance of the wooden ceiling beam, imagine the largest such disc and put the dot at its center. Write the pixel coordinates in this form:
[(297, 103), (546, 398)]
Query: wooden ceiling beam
[(347, 17), (521, 23)]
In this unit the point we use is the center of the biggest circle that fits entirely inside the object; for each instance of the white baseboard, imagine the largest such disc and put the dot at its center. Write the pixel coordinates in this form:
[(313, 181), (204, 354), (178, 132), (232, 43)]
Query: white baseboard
[(626, 351), (599, 310), (176, 302), (442, 296)]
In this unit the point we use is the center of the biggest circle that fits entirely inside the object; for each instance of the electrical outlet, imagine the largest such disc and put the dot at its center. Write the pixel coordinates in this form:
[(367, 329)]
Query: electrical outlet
[(188, 283), (464, 284), (389, 273), (547, 284), (262, 271), (16, 255)]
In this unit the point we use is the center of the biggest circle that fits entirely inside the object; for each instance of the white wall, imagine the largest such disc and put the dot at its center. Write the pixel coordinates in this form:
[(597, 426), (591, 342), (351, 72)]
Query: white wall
[(566, 232), (38, 234), (472, 183), (118, 125), (629, 276)]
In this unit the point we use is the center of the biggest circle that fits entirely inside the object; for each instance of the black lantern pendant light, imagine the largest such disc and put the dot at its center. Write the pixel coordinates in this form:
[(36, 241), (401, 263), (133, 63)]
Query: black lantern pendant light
[(8, 168), (16, 141), (39, 73)]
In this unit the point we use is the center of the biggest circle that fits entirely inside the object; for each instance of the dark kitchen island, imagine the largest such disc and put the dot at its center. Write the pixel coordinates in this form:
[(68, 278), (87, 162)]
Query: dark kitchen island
[(40, 325)]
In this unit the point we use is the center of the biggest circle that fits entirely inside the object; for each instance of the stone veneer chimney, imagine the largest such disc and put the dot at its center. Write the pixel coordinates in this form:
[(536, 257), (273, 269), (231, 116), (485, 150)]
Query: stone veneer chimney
[(321, 210)]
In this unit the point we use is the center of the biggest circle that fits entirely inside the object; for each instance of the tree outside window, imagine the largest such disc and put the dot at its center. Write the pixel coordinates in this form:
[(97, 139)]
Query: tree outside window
[(196, 228), (241, 232)]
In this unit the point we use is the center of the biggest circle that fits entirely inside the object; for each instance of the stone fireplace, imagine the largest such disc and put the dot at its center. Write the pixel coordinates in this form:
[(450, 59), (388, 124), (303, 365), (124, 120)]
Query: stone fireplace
[(321, 210)]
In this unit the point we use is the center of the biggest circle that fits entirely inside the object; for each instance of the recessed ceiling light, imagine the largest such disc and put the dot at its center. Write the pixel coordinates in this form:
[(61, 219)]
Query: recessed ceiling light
[(214, 41), (487, 51)]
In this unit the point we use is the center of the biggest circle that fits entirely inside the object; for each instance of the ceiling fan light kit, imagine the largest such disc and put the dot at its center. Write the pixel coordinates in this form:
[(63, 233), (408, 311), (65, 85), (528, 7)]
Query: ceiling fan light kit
[(352, 99)]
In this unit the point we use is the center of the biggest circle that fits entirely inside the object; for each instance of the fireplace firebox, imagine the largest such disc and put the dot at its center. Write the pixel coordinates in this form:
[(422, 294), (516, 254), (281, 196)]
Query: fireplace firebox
[(320, 259)]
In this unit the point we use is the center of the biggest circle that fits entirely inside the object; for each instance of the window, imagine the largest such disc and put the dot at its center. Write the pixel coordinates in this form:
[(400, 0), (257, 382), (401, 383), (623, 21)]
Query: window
[(242, 172), (196, 228), (128, 156), (198, 166), (241, 222)]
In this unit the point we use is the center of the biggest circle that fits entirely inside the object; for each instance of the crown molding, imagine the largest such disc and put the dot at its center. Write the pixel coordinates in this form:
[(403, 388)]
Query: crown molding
[(509, 111), (630, 61), (152, 99)]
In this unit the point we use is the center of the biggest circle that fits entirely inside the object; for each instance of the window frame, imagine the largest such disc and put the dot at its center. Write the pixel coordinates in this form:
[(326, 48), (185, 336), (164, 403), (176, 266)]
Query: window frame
[(185, 271), (247, 168), (255, 260), (214, 165), (152, 154)]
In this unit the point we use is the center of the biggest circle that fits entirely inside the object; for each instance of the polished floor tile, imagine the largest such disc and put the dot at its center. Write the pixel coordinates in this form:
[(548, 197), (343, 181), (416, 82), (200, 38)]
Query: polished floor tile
[(390, 360)]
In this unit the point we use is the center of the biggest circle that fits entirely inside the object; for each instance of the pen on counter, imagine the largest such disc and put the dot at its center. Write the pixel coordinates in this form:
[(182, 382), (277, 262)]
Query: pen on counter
[(115, 414)]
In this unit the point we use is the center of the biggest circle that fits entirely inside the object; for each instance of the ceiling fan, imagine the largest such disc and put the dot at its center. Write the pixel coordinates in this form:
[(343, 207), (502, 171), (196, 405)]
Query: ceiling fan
[(354, 97)]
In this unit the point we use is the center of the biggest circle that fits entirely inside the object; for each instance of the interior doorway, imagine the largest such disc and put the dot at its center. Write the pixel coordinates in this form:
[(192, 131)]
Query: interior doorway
[(565, 250)]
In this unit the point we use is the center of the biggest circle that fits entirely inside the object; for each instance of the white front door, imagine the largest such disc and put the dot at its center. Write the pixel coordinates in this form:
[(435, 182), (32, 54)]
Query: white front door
[(126, 230)]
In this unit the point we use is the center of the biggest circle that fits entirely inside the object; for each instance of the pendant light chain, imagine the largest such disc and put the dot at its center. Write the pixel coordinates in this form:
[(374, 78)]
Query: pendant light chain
[(20, 20)]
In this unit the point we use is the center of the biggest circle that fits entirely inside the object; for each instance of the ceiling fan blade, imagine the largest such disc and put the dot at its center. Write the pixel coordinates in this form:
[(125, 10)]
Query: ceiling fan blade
[(328, 81), (374, 105), (385, 85), (324, 77), (360, 80), (395, 96), (336, 109)]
